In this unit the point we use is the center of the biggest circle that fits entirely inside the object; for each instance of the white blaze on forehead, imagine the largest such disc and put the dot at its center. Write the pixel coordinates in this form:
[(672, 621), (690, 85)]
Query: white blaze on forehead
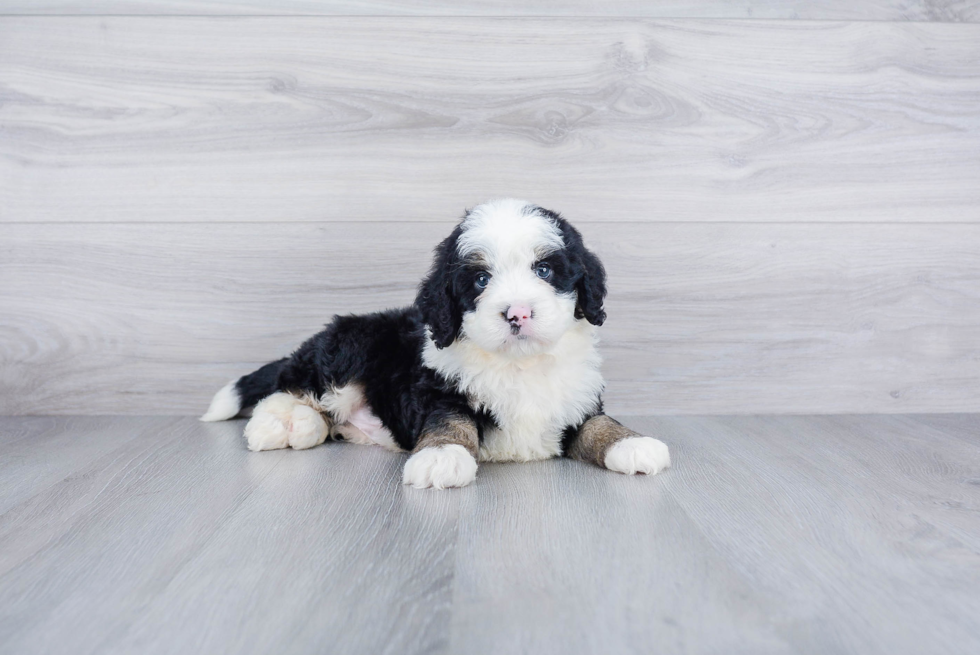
[(508, 230)]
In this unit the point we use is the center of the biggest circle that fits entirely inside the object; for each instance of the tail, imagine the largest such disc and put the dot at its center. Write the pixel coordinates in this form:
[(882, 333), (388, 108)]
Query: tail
[(241, 395)]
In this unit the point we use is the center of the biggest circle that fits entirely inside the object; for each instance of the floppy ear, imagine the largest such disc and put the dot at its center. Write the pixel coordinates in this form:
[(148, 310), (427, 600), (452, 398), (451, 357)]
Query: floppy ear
[(591, 287), (436, 299)]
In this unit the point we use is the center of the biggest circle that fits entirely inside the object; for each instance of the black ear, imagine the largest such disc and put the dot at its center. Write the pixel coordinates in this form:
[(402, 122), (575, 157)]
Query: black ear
[(436, 298), (591, 288), (591, 285)]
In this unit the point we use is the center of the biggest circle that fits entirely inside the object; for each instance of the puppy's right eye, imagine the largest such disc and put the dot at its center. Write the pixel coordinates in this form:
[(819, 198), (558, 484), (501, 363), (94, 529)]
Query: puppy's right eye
[(482, 280)]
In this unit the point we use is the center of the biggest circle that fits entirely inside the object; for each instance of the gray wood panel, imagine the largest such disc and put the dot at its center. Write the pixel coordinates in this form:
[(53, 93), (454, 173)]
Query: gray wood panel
[(756, 318), (360, 547), (130, 506), (564, 548), (954, 425), (845, 534), (839, 505), (917, 10), (53, 448), (384, 119), (172, 522), (806, 521), (11, 433)]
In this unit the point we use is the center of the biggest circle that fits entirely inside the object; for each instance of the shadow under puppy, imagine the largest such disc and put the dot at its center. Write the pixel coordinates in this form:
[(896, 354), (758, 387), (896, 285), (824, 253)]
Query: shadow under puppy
[(495, 361)]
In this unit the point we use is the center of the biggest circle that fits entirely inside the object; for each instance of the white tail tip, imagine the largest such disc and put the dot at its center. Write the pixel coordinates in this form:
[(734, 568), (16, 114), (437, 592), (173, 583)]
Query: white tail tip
[(225, 404)]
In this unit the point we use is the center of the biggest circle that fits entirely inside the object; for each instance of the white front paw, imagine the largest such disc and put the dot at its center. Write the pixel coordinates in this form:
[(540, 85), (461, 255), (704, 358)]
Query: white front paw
[(638, 455), (280, 420), (440, 467)]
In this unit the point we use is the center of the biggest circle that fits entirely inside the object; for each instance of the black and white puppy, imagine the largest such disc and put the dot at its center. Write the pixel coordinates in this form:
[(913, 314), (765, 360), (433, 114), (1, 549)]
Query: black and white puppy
[(495, 361)]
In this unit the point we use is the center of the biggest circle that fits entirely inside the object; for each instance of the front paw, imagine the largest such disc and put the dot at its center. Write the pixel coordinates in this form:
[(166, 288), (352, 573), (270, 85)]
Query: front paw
[(638, 455), (450, 465)]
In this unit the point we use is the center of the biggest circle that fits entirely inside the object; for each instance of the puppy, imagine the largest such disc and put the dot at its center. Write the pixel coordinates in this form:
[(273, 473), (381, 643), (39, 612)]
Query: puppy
[(495, 361)]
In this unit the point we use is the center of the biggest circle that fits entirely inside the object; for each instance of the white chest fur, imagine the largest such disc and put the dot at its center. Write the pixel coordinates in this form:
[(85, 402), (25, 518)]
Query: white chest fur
[(531, 398)]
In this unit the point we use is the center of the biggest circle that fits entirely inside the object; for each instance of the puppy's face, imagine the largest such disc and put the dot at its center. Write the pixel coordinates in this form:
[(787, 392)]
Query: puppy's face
[(512, 278)]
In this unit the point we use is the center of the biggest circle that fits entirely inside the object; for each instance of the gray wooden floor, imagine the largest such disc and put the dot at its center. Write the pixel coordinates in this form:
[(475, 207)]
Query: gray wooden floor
[(843, 534)]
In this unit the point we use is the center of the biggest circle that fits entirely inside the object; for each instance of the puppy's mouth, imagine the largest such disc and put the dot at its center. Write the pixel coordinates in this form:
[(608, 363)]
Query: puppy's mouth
[(522, 344), (521, 336)]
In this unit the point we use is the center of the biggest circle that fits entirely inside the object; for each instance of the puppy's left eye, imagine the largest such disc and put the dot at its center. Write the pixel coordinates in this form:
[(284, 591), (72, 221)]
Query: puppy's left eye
[(543, 271)]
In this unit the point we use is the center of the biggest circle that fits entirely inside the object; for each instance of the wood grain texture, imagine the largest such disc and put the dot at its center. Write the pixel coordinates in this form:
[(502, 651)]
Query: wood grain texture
[(187, 514), (758, 318), (53, 448), (953, 425), (891, 10), (366, 566), (821, 513), (844, 534), (573, 559), (384, 119), (44, 511), (11, 433)]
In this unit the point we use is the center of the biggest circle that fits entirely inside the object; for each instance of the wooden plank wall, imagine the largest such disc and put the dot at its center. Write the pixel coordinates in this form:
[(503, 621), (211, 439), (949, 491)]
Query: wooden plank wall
[(916, 10), (789, 209)]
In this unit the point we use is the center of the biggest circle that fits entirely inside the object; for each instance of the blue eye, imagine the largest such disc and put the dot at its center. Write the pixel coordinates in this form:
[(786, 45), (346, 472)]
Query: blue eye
[(543, 271), (482, 280)]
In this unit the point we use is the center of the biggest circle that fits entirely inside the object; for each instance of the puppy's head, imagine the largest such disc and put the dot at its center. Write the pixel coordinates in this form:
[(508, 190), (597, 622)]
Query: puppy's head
[(512, 277)]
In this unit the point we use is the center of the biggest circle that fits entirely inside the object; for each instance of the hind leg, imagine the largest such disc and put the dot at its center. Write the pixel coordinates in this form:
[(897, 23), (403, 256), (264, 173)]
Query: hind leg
[(282, 420)]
